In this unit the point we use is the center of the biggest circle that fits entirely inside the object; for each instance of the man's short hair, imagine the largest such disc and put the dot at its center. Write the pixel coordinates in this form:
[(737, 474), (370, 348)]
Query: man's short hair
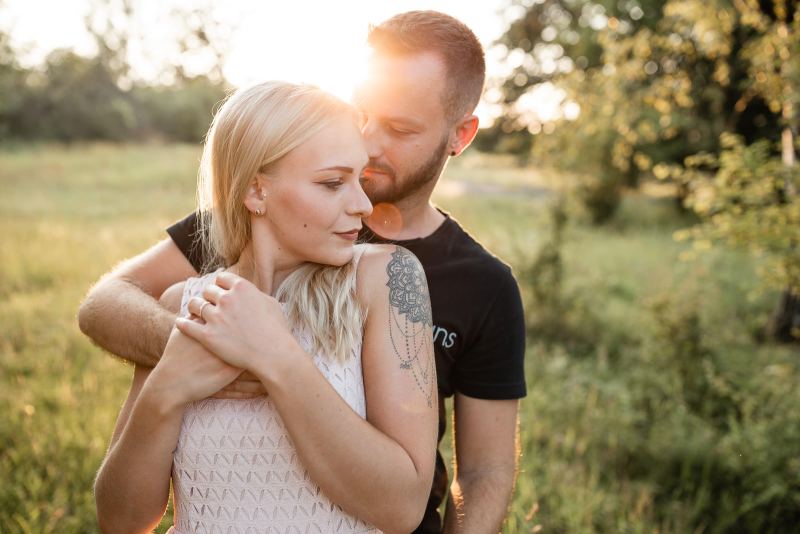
[(417, 32)]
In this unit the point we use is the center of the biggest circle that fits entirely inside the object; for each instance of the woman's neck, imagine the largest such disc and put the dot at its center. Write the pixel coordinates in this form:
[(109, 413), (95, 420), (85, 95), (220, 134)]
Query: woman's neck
[(263, 264)]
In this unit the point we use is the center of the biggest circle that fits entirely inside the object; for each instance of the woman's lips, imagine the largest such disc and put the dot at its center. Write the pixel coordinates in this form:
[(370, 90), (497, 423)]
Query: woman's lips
[(350, 236)]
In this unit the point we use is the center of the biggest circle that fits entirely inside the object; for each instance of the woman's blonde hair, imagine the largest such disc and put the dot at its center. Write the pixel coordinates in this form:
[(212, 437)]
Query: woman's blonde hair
[(250, 133)]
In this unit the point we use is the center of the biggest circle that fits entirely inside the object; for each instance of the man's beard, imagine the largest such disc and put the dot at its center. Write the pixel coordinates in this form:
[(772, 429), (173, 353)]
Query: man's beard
[(396, 190)]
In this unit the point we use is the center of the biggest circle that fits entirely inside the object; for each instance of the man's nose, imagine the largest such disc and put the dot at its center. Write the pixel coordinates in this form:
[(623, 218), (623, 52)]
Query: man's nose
[(373, 140)]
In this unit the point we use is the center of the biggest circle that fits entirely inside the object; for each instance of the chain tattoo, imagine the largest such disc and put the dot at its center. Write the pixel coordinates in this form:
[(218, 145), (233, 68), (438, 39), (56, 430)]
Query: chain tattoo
[(410, 320)]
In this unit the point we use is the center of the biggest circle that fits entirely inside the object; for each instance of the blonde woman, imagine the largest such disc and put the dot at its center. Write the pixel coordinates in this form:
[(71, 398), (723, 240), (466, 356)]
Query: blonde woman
[(345, 439)]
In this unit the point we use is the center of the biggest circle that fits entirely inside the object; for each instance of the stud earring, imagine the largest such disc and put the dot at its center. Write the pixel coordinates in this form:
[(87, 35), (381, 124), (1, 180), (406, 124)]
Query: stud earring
[(258, 212)]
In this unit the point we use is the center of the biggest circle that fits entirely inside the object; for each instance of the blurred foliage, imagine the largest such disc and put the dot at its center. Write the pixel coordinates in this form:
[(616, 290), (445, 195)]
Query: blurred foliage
[(655, 80), (73, 98), (742, 196), (179, 112), (672, 418), (673, 405), (703, 94)]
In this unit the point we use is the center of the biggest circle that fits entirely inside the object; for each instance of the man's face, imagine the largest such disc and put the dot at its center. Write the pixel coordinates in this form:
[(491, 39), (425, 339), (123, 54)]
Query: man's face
[(405, 128)]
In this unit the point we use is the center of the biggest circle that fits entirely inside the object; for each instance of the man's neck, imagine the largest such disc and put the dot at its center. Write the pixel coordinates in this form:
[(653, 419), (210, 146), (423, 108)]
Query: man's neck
[(401, 222)]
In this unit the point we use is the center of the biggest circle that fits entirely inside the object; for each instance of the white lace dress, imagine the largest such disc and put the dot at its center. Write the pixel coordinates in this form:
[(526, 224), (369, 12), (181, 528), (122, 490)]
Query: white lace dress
[(236, 471)]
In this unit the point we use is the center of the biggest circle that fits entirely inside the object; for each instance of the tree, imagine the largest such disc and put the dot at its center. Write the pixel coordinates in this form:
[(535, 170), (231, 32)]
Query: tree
[(703, 93), (655, 82), (562, 45), (748, 194), (12, 84)]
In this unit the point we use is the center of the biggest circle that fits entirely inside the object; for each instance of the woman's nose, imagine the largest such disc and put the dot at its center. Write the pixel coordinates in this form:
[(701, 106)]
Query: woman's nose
[(359, 202)]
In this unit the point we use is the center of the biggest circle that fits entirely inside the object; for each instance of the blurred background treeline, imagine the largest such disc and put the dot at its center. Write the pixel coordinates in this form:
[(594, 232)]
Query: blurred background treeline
[(701, 95), (71, 98), (652, 221)]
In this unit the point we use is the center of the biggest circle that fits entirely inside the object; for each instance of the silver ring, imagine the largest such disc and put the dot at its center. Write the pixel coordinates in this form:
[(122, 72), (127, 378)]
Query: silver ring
[(203, 305)]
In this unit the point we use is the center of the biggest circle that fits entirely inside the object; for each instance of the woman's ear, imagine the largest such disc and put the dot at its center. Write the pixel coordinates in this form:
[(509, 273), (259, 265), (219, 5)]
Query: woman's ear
[(256, 195)]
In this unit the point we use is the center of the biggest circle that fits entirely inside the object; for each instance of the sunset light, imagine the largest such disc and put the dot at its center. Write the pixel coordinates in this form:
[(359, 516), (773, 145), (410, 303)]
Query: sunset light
[(316, 42), (234, 302)]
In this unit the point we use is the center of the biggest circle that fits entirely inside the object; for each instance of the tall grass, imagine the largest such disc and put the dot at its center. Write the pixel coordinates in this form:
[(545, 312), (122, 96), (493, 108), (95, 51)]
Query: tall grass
[(67, 215)]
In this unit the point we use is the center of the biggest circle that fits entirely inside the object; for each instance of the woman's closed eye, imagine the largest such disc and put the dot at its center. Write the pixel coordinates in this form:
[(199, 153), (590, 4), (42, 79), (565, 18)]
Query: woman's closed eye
[(333, 184)]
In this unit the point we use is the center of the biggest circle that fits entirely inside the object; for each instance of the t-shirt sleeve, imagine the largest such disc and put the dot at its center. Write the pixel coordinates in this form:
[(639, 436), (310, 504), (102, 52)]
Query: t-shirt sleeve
[(493, 366), (184, 235)]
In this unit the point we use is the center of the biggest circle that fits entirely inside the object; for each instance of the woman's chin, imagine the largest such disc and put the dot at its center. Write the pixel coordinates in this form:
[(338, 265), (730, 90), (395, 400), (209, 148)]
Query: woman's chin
[(336, 258)]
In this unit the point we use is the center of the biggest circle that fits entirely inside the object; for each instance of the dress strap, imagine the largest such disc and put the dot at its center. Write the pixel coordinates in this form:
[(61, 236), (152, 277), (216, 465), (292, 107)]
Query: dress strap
[(360, 248), (359, 251)]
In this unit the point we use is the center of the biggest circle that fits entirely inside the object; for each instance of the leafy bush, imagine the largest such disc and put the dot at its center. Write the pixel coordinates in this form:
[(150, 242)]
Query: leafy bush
[(600, 196), (746, 197), (667, 417), (180, 112)]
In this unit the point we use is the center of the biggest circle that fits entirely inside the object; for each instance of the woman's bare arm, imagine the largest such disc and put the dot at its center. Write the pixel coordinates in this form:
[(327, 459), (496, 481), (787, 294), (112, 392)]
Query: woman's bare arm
[(382, 470), (132, 485)]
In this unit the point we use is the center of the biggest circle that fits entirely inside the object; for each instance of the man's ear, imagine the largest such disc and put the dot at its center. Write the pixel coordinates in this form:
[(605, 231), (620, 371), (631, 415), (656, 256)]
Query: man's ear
[(465, 131)]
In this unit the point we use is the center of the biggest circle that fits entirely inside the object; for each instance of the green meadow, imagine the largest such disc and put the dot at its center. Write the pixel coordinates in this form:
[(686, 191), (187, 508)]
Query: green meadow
[(655, 404)]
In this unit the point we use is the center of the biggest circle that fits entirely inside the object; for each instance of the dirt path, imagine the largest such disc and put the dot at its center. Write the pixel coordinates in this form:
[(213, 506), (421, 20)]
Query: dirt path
[(455, 188)]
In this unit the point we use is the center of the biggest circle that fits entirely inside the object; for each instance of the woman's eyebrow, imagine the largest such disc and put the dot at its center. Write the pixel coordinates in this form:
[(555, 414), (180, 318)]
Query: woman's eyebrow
[(337, 168)]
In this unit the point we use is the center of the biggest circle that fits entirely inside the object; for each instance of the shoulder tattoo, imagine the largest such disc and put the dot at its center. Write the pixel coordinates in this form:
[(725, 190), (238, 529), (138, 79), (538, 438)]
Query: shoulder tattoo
[(411, 321)]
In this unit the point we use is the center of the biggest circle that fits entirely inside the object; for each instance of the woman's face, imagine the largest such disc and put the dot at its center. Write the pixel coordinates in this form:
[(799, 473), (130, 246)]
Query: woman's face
[(313, 197)]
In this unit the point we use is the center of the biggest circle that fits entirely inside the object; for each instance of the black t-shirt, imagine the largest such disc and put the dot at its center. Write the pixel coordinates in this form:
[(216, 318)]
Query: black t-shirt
[(478, 323)]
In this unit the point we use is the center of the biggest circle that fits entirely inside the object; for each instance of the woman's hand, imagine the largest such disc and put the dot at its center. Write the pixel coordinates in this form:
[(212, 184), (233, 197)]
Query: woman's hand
[(188, 372), (241, 324)]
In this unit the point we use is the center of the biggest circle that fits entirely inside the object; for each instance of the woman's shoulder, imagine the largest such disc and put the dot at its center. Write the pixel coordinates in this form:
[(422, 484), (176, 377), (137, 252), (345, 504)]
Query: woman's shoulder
[(376, 258), (380, 264)]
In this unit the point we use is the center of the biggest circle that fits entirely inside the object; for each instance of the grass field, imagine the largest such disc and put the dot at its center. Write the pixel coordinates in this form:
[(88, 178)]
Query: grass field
[(652, 406)]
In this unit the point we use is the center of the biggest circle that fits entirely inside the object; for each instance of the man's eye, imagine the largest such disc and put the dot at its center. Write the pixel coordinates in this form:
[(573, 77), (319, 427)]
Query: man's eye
[(397, 131)]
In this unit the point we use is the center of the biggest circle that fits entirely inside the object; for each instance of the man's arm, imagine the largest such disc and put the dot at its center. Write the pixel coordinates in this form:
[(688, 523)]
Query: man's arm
[(486, 451), (121, 312)]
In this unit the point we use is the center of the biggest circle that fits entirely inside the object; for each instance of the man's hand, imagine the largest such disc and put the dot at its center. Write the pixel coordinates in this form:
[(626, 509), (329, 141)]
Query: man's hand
[(247, 386)]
